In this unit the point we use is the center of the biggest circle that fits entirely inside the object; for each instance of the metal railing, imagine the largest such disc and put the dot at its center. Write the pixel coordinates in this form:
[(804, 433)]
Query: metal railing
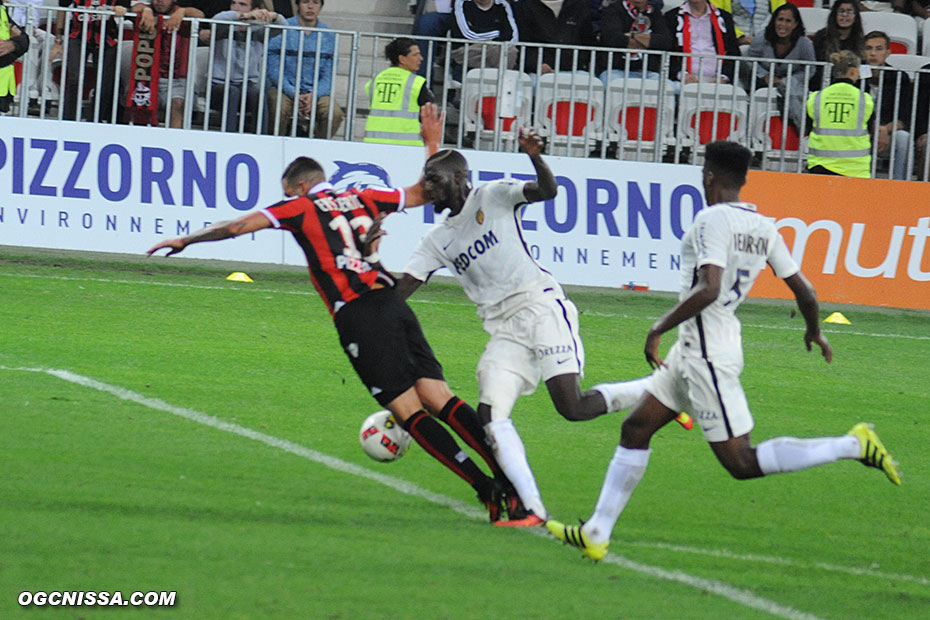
[(492, 90)]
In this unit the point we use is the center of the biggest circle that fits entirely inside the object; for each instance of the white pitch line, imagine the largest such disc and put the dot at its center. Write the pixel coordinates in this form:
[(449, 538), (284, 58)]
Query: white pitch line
[(734, 594), (312, 293), (775, 560)]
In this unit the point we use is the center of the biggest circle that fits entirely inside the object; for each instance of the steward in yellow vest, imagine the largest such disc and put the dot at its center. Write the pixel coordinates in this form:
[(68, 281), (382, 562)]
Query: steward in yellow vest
[(839, 141), (396, 95), (13, 44)]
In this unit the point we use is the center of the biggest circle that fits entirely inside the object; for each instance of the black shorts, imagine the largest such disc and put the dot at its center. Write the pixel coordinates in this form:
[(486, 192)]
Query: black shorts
[(385, 343)]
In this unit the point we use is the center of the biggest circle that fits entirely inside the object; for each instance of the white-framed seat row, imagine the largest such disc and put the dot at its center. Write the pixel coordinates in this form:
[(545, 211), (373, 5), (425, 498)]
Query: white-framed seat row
[(640, 118), (908, 62), (900, 28), (569, 111), (495, 101)]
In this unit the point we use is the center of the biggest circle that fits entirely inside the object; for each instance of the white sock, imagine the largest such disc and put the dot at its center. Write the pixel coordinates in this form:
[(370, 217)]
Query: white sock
[(623, 394), (781, 455), (511, 456), (624, 472)]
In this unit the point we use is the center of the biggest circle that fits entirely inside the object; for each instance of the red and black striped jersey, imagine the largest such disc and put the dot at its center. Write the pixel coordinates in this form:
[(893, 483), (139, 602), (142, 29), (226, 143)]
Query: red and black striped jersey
[(328, 226)]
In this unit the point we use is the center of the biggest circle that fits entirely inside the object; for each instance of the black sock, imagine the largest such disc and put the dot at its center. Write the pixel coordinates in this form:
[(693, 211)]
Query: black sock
[(465, 422), (437, 441)]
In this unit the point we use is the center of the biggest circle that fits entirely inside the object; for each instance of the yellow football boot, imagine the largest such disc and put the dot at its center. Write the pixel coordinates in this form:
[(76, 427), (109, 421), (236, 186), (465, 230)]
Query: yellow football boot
[(874, 453), (574, 536)]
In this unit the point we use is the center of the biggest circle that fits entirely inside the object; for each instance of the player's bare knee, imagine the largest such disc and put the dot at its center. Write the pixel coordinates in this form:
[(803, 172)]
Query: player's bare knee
[(571, 410), (635, 432), (739, 472), (743, 466)]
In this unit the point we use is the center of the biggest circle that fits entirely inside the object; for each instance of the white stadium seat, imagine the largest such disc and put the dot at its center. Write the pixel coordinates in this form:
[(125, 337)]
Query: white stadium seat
[(569, 109), (813, 19), (900, 28), (909, 62)]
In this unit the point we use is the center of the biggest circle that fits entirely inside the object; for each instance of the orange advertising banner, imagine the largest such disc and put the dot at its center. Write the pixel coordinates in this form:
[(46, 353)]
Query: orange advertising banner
[(859, 241)]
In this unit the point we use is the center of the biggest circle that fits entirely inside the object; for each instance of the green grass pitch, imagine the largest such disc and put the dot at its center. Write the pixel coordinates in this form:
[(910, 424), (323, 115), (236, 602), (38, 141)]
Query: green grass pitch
[(108, 486)]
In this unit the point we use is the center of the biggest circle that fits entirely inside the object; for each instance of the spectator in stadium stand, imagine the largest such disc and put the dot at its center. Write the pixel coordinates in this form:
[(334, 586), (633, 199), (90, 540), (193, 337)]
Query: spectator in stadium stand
[(255, 18), (918, 9), (287, 92), (172, 21), (749, 16), (480, 21), (921, 119), (209, 8), (396, 95), (784, 39), (842, 32), (637, 25), (41, 45), (841, 106), (284, 8), (893, 92), (596, 8), (72, 100), (560, 22), (700, 28), (435, 21), (13, 44)]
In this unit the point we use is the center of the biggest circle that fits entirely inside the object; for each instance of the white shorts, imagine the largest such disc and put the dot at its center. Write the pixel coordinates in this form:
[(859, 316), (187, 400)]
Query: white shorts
[(712, 394), (535, 343)]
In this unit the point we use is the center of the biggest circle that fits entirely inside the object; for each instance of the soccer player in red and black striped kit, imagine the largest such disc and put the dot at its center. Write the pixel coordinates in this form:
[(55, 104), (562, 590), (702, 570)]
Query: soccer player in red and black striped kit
[(377, 330)]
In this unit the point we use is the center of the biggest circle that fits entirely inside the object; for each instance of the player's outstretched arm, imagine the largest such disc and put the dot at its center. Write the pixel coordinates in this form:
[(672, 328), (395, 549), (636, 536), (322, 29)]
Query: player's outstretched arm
[(544, 187), (702, 294), (407, 285), (215, 232), (806, 296)]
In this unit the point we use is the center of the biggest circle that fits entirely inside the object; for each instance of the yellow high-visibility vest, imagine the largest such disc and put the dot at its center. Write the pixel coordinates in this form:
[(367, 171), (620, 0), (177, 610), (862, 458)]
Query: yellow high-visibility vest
[(727, 6), (7, 74), (394, 116), (839, 139)]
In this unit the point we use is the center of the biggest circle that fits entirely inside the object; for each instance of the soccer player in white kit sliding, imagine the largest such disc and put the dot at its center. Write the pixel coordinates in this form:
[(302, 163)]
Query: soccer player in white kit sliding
[(533, 325), (723, 252)]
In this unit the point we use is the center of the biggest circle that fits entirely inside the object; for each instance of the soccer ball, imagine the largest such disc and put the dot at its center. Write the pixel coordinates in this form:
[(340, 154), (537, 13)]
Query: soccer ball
[(382, 438)]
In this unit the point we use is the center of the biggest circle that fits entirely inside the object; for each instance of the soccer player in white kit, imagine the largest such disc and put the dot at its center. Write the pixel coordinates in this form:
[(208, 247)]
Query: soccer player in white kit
[(723, 252), (532, 324)]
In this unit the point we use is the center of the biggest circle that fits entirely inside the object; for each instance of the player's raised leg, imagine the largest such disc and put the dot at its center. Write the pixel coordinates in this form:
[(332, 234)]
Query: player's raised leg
[(575, 405), (781, 455), (621, 394), (624, 394)]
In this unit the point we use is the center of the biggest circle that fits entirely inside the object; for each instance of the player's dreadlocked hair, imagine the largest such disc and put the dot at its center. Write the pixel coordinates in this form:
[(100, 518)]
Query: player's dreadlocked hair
[(728, 161), (300, 169)]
